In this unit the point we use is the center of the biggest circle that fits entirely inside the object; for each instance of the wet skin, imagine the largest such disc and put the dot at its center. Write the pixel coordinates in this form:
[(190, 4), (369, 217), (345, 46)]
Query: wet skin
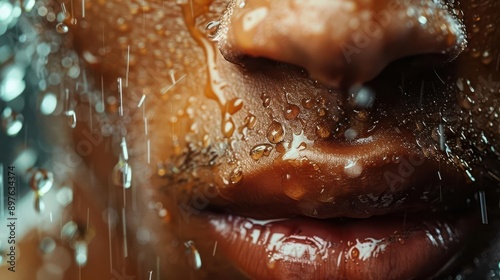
[(261, 126)]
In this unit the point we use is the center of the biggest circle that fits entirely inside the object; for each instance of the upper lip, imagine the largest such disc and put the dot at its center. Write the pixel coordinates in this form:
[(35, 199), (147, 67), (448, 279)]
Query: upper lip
[(374, 176)]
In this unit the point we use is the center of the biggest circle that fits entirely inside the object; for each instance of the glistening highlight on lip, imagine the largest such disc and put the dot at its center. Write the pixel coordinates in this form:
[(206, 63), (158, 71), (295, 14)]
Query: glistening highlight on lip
[(385, 247)]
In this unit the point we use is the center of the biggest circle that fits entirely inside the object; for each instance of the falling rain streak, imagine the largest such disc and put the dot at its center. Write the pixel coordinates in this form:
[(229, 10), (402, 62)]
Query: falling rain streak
[(484, 212), (120, 92), (192, 254), (122, 172)]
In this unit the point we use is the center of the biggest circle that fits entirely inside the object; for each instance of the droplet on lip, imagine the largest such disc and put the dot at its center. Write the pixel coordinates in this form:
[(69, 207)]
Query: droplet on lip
[(292, 188), (353, 169)]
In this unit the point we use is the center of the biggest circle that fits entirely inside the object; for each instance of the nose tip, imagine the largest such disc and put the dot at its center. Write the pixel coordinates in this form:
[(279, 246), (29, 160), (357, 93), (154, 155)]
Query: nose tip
[(339, 41)]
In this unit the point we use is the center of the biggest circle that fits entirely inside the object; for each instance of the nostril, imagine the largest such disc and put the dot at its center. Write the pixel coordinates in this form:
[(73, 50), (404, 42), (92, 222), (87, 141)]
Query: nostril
[(339, 42)]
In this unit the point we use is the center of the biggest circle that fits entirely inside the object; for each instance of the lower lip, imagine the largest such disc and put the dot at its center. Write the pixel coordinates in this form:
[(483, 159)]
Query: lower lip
[(375, 248)]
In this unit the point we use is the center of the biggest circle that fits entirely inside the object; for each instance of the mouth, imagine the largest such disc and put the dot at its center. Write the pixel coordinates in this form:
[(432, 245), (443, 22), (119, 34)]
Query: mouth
[(339, 215), (389, 247)]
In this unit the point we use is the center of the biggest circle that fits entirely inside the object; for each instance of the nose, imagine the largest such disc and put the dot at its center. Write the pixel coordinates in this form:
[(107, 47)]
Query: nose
[(339, 42)]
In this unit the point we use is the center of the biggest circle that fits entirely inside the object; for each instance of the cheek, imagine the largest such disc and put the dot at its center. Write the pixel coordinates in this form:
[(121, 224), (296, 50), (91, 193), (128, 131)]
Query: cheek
[(478, 81)]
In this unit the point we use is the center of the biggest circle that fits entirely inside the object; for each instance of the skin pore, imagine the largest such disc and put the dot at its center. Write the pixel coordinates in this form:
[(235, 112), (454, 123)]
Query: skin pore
[(221, 120)]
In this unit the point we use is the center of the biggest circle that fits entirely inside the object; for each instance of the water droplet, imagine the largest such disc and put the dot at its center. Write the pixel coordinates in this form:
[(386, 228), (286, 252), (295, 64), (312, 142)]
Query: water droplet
[(362, 97), (322, 131), (321, 112), (351, 134), (307, 103), (12, 122), (396, 159), (354, 253), (275, 132), (160, 169), (39, 204), (122, 174), (353, 169), (487, 58), (163, 213), (250, 121), (422, 20), (475, 52), (81, 251), (291, 111), (47, 245), (292, 188), (64, 196), (236, 176), (266, 100), (62, 28), (192, 254), (41, 181), (241, 4), (212, 28), (465, 101), (228, 128), (460, 84), (234, 105), (71, 118), (69, 231), (260, 150)]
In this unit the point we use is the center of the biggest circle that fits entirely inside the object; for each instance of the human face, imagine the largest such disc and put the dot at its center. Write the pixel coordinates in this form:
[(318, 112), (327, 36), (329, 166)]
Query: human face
[(322, 113)]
